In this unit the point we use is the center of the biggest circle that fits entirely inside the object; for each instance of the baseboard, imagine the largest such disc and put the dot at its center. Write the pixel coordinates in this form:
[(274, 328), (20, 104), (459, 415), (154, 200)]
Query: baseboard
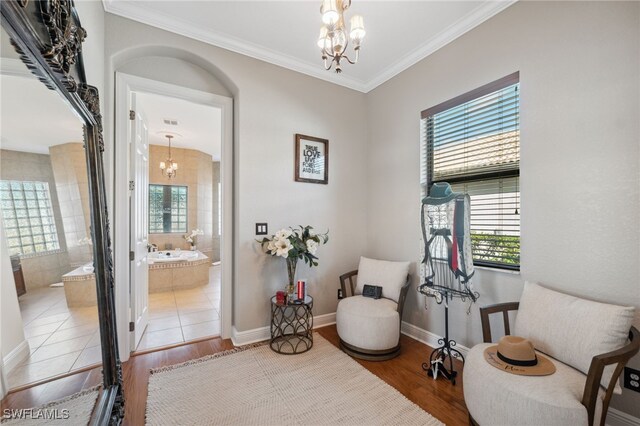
[(14, 357), (619, 418), (241, 338), (324, 320), (614, 417), (426, 337)]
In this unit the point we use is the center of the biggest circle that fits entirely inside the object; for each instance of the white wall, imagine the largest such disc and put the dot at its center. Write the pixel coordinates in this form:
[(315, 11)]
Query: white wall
[(271, 105), (11, 332), (91, 14), (579, 66)]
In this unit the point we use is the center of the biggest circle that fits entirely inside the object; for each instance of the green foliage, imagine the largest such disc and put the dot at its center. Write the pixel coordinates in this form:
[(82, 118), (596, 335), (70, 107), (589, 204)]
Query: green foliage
[(496, 248), (295, 243)]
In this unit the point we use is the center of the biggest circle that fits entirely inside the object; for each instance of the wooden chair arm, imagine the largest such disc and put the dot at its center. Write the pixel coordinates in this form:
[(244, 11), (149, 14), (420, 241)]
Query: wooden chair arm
[(343, 283), (492, 309), (598, 363), (403, 295)]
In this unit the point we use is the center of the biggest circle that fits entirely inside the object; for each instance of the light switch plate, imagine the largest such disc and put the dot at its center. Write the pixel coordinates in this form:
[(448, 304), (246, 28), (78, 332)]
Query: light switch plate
[(262, 229)]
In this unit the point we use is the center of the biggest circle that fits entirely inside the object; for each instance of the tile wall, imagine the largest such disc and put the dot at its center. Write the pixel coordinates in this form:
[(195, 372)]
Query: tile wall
[(70, 172), (38, 270)]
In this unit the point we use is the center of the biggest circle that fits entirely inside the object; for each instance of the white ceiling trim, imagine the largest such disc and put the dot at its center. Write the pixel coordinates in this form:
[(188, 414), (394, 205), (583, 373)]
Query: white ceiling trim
[(169, 23), (172, 24), (466, 23)]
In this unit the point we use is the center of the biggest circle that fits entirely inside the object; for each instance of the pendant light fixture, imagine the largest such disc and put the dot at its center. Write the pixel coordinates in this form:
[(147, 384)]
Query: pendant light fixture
[(333, 40), (169, 167)]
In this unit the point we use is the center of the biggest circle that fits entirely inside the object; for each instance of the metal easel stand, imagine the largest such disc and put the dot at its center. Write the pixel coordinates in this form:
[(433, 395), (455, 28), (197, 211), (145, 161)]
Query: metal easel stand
[(446, 352)]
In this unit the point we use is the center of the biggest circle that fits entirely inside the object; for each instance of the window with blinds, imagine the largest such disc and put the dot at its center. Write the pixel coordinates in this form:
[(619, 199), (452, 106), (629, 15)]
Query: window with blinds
[(473, 142)]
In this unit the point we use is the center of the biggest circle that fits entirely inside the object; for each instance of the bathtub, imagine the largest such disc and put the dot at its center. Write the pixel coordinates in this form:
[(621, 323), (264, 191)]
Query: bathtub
[(177, 269), (80, 287)]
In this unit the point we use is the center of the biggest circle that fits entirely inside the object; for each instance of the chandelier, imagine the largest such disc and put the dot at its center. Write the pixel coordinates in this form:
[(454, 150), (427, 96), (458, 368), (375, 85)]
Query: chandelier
[(169, 167), (333, 40)]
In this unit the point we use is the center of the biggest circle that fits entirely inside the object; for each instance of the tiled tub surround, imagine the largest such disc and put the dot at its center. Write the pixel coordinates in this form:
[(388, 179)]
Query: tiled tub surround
[(80, 287), (180, 274)]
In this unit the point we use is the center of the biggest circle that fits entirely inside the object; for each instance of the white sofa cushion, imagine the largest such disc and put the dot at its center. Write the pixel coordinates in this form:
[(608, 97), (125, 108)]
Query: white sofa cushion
[(570, 329), (368, 323), (391, 276), (494, 397)]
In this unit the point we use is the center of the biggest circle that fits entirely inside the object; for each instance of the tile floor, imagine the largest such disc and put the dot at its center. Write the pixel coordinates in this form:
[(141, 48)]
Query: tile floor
[(62, 339), (182, 315)]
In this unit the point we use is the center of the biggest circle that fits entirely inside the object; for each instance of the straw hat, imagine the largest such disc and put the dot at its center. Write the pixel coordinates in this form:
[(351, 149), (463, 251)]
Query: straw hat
[(516, 355)]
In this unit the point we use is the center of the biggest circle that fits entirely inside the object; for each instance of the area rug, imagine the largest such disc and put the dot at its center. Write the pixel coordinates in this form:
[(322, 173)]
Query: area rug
[(256, 386), (73, 410)]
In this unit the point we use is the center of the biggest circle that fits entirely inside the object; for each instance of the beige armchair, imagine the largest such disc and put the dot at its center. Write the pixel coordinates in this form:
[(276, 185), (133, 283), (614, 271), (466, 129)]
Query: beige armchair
[(588, 342), (370, 328)]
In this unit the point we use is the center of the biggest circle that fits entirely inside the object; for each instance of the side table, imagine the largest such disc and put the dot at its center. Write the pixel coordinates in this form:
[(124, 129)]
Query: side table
[(291, 326)]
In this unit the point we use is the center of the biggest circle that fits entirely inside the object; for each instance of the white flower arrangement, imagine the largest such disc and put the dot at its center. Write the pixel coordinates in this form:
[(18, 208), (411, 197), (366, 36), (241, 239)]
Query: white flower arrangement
[(191, 238), (293, 244)]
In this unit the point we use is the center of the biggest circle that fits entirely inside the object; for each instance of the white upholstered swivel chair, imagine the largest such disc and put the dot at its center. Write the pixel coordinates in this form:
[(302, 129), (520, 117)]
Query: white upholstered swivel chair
[(370, 328), (587, 341)]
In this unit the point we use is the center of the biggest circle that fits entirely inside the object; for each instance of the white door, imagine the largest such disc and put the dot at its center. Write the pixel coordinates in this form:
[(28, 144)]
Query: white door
[(139, 205)]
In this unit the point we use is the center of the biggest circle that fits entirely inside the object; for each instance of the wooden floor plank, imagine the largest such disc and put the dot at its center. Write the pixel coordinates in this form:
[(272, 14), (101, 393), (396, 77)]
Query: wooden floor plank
[(404, 373)]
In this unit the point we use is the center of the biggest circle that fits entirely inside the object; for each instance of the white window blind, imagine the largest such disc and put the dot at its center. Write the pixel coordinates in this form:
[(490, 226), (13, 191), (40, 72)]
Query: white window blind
[(473, 142)]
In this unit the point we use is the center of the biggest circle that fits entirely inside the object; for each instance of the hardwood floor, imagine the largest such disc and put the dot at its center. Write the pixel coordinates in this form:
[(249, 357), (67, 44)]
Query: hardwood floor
[(404, 373)]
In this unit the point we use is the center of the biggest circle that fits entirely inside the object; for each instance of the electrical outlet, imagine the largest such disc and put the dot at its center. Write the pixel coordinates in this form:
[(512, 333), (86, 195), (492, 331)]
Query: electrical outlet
[(632, 379), (261, 229), (340, 294)]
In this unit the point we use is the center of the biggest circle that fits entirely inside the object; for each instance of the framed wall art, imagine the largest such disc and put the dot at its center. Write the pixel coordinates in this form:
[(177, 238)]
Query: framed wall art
[(312, 159)]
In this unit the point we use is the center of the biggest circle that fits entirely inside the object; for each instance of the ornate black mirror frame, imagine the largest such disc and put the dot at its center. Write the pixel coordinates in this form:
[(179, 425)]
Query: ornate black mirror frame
[(48, 37)]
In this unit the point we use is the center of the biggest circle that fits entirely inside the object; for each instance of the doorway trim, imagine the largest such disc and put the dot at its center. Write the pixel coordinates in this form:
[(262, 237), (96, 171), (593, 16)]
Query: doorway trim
[(125, 85)]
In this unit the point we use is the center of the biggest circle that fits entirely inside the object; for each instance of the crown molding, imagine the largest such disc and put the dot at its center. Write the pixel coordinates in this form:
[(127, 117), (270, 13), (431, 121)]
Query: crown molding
[(455, 30), (131, 10), (134, 12)]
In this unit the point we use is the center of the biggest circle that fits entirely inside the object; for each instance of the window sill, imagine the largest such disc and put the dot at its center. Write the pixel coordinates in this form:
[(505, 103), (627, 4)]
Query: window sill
[(499, 270)]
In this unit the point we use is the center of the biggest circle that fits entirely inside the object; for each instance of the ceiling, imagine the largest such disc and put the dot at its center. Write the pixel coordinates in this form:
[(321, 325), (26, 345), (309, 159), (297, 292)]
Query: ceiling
[(199, 126), (32, 117), (399, 33)]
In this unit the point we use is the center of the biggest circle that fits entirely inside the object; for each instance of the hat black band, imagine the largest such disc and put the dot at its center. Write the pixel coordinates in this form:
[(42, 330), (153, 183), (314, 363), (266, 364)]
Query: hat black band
[(529, 363)]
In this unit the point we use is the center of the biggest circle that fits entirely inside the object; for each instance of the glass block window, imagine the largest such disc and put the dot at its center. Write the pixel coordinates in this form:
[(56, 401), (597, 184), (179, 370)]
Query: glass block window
[(167, 209), (28, 217)]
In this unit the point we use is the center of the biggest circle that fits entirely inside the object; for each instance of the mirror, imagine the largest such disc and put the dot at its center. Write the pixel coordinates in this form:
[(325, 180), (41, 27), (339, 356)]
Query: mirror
[(53, 205), (46, 215)]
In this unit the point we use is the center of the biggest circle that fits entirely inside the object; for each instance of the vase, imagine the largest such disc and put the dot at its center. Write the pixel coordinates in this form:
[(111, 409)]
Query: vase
[(292, 262), (193, 247)]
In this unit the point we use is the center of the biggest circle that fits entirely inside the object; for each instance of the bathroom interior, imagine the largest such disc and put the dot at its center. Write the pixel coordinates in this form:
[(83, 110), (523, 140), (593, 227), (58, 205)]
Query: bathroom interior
[(46, 227), (184, 220)]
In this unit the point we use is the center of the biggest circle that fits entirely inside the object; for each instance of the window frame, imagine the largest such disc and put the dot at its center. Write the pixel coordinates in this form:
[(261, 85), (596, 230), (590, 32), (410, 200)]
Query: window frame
[(427, 115), (186, 222), (50, 216)]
